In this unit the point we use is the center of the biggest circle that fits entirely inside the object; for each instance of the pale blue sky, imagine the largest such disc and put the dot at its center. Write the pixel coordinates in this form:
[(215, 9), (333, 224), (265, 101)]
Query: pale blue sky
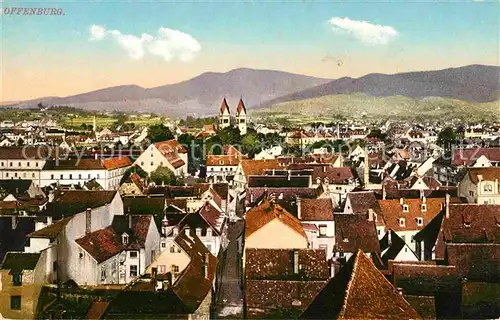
[(289, 36)]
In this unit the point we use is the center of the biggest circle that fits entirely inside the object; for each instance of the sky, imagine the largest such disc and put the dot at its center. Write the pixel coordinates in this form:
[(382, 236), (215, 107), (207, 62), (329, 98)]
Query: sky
[(89, 45)]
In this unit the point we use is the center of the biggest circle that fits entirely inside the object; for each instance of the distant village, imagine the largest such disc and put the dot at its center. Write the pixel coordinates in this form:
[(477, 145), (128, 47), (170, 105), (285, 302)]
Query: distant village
[(237, 219)]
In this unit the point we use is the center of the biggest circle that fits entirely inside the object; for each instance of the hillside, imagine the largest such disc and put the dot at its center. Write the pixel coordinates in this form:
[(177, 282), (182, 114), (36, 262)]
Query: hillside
[(201, 95), (475, 83), (362, 105)]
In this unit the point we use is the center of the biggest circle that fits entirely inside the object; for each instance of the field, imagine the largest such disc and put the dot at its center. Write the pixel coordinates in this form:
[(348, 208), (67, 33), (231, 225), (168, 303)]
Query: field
[(333, 107)]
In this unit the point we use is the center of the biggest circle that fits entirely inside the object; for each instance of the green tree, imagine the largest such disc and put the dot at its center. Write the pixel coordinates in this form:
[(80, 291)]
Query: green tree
[(447, 137), (163, 175), (133, 169), (159, 132)]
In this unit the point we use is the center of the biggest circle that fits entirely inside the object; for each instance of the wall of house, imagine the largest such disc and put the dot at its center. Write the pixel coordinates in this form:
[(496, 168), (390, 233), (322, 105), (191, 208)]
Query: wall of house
[(203, 311), (407, 236), (78, 176), (327, 241), (113, 178), (167, 258), (130, 189), (487, 192), (266, 237), (29, 292), (406, 254), (152, 244), (36, 244), (220, 172)]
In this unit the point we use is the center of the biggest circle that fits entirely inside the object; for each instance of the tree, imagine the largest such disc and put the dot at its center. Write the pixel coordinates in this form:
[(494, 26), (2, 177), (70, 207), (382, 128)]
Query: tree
[(163, 175), (159, 132), (250, 143), (447, 137), (133, 169)]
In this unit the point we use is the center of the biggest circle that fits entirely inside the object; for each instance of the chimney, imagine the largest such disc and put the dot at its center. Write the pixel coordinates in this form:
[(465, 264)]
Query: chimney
[(447, 206), (389, 237), (130, 221), (480, 177), (209, 233), (332, 269), (424, 199), (51, 196), (88, 221), (324, 168), (289, 174), (400, 291), (205, 265), (164, 225), (95, 156), (401, 201), (186, 231), (299, 208), (295, 261), (422, 195), (370, 214), (384, 193)]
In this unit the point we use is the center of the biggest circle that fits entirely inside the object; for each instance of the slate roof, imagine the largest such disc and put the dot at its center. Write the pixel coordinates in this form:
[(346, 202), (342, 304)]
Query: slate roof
[(16, 187), (359, 291), (355, 232), (266, 212), (19, 261)]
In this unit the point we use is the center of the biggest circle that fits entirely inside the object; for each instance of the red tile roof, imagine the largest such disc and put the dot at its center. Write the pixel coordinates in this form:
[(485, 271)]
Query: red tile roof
[(257, 167), (116, 163), (316, 209), (468, 157), (355, 232), (490, 174), (261, 215), (222, 160)]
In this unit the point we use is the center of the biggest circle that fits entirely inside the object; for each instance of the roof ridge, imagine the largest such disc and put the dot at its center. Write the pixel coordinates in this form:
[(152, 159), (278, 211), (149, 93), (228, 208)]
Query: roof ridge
[(349, 284)]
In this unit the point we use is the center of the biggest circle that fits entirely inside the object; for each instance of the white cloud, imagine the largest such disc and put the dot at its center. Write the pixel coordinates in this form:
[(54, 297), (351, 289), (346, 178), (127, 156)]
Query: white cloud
[(366, 32), (168, 44), (97, 32)]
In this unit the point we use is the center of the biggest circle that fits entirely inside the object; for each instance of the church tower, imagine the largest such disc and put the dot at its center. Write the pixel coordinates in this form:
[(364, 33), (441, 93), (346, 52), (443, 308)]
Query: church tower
[(224, 115), (241, 117)]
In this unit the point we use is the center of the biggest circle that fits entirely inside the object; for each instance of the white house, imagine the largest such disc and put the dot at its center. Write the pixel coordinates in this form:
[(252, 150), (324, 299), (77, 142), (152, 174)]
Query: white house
[(481, 185), (170, 154), (107, 172), (22, 163)]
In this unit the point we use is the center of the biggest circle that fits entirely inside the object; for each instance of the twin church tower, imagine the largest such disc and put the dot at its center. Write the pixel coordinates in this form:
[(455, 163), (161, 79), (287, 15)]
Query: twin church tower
[(225, 116)]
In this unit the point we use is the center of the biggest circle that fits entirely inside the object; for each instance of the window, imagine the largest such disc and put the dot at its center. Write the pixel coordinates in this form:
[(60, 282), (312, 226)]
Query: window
[(420, 222), (401, 222), (423, 207), (174, 268), (54, 266), (152, 163), (24, 175), (6, 174), (15, 174), (61, 176), (113, 268), (209, 247), (322, 230), (52, 177), (103, 273), (405, 208), (79, 176), (2, 164), (17, 279), (133, 270), (27, 164), (70, 176), (172, 249), (162, 269), (403, 238), (19, 164), (163, 245), (33, 175), (471, 193), (133, 254), (323, 247), (15, 302), (36, 164), (98, 176), (488, 188), (11, 164)]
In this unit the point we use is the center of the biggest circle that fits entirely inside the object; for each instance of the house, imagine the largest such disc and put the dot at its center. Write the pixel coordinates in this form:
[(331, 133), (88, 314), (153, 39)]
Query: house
[(316, 216), (247, 168), (80, 213), (281, 283), (460, 224), (476, 157), (264, 222), (223, 167), (21, 279), (394, 248), (106, 172), (407, 216), (119, 253), (23, 163), (354, 232), (480, 185), (359, 291), (133, 186), (162, 294), (361, 202), (268, 154), (170, 154)]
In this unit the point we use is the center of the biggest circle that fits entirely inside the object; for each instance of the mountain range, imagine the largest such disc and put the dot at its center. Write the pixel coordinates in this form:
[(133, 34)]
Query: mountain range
[(265, 88)]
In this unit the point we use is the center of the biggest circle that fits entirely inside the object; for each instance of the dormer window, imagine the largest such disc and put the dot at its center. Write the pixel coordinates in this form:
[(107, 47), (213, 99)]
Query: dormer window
[(125, 238), (401, 222), (423, 207), (420, 222), (405, 208), (467, 224)]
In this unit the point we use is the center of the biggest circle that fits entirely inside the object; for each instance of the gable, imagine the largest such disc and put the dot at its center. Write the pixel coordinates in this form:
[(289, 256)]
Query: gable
[(265, 237)]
